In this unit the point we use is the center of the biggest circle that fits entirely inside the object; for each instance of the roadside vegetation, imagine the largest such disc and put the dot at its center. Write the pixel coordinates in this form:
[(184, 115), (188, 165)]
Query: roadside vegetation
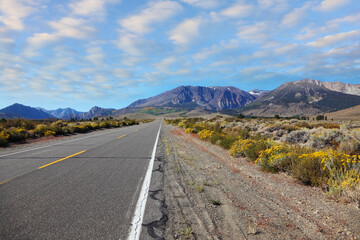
[(318, 153), (19, 130)]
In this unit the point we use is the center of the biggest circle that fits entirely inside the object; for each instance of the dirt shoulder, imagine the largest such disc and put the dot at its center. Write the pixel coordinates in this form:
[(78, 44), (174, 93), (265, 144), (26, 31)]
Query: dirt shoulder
[(210, 195)]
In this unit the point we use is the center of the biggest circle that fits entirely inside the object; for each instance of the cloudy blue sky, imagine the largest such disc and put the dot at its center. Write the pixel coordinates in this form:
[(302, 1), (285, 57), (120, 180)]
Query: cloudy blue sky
[(81, 53)]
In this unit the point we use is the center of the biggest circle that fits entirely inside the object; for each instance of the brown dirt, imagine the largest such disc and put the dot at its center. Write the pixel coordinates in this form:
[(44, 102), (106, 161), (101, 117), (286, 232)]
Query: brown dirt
[(253, 204), (352, 113)]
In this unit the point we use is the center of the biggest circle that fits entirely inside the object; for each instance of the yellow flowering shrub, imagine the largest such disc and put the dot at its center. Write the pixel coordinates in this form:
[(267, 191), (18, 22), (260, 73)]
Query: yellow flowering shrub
[(189, 130), (248, 148), (41, 129), (276, 158), (343, 181), (182, 124), (49, 133), (205, 134)]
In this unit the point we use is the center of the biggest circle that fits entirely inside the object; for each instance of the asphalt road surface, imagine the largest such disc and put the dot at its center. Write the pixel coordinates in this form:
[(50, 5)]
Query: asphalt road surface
[(82, 188)]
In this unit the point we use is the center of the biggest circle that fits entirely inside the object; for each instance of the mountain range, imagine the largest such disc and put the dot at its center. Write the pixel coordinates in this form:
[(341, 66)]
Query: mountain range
[(304, 97), (190, 97)]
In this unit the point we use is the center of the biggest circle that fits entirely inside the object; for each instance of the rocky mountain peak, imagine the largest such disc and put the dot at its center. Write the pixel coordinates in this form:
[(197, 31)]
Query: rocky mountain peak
[(191, 97)]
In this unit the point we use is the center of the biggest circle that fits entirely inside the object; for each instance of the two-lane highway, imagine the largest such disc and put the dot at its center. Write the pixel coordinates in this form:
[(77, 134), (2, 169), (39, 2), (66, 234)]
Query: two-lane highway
[(84, 188)]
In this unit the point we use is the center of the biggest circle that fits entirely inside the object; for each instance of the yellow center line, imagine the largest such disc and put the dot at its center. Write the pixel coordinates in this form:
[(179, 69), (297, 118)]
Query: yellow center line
[(61, 159), (122, 136)]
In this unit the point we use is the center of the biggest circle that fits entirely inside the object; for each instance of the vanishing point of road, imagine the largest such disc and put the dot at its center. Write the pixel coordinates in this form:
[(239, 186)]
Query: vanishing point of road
[(82, 187)]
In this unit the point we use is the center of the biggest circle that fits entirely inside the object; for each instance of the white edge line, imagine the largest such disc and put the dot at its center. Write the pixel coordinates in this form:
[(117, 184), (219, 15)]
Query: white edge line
[(141, 203), (77, 139)]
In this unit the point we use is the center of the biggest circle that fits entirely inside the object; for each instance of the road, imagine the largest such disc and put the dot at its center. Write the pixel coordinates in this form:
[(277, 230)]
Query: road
[(83, 188)]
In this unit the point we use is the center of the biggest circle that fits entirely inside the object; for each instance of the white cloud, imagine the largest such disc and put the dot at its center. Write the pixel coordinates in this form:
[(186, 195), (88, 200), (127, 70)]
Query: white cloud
[(90, 7), (205, 53), (182, 71), (238, 10), (37, 41), (203, 3), (95, 55), (155, 13), (311, 31), (165, 64), (11, 78), (87, 7), (122, 73), (131, 44), (64, 28), (347, 19), (330, 26), (350, 51), (14, 11), (260, 54), (286, 49), (334, 39), (257, 32), (273, 5), (186, 31), (329, 5), (72, 28), (6, 43), (295, 17), (42, 39)]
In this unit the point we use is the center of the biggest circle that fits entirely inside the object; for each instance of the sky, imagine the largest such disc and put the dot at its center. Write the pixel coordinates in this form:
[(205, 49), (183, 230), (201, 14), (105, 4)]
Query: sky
[(109, 53)]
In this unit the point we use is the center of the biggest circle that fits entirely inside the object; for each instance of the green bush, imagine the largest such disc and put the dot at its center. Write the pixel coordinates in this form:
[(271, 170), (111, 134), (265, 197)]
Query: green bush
[(223, 140), (15, 134), (308, 171)]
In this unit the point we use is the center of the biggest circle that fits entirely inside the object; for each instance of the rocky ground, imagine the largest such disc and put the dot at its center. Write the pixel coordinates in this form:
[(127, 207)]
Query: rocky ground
[(210, 195)]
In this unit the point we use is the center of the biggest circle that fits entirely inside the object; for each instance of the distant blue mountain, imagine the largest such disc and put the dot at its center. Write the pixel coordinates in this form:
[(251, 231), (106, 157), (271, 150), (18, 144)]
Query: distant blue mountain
[(22, 111), (27, 112)]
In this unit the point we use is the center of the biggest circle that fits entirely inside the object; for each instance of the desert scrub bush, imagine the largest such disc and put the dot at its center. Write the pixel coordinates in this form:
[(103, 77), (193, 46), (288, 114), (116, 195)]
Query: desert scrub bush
[(95, 125), (351, 147), (249, 148), (304, 125), (182, 124), (327, 125), (49, 133), (3, 140), (206, 134), (309, 170), (327, 138), (223, 140), (344, 182), (41, 129), (199, 126), (243, 133), (296, 137), (189, 130), (104, 124), (275, 158), (18, 123), (289, 128), (16, 134), (59, 130)]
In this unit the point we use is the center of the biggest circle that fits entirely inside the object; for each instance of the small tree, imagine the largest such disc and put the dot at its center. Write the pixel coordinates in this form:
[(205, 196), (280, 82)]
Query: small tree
[(320, 117)]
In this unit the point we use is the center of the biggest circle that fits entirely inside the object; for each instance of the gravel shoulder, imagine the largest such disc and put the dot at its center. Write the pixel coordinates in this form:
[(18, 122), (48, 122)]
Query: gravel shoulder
[(210, 195)]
